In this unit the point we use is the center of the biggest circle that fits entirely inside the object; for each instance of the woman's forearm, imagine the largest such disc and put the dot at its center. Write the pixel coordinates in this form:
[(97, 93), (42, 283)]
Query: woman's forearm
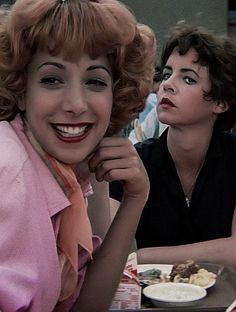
[(219, 251), (103, 275)]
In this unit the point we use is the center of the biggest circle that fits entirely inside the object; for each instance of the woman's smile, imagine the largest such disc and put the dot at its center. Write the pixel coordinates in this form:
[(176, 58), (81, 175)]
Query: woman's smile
[(68, 104), (72, 133)]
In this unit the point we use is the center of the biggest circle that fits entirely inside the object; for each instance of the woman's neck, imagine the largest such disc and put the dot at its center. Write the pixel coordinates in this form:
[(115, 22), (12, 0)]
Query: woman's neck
[(188, 148)]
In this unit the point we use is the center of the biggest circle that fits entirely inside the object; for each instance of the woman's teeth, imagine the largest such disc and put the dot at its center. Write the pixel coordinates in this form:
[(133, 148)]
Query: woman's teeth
[(68, 131)]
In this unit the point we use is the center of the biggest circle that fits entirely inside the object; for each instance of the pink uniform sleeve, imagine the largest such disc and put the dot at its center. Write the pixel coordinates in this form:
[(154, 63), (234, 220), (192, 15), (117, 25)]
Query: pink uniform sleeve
[(29, 269)]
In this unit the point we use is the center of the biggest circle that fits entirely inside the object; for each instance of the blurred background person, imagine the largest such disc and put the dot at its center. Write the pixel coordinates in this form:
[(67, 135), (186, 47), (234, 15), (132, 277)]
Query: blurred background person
[(148, 125)]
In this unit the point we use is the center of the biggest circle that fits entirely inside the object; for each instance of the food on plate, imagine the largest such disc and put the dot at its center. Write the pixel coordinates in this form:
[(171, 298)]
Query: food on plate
[(181, 272), (191, 273), (188, 272), (202, 278), (150, 274), (153, 276)]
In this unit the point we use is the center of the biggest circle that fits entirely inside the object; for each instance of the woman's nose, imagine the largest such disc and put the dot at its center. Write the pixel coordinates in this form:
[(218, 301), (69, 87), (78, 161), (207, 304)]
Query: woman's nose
[(75, 100), (168, 85)]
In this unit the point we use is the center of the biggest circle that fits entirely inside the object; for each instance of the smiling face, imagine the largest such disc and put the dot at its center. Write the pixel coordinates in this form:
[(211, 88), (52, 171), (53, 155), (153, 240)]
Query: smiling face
[(181, 93), (68, 105)]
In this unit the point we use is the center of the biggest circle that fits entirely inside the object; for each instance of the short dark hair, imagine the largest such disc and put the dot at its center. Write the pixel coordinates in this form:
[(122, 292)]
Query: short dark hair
[(218, 53), (158, 73)]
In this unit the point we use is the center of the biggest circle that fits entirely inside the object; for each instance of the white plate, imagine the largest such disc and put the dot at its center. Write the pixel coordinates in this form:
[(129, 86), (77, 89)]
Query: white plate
[(174, 294), (210, 284), (165, 269)]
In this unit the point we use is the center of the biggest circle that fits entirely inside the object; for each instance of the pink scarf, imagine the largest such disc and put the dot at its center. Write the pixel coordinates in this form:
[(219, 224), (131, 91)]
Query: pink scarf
[(75, 229)]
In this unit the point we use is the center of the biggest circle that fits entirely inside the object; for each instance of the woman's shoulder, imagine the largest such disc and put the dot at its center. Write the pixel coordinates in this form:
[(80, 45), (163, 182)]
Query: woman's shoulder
[(151, 149), (152, 145), (223, 145), (229, 141), (147, 145), (12, 150)]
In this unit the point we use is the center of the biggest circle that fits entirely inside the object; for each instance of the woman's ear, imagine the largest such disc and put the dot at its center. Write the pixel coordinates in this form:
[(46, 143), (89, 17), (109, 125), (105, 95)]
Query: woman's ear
[(221, 107)]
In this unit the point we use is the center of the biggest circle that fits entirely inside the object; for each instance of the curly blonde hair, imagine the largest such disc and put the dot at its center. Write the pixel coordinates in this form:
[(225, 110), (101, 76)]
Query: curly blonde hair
[(73, 27)]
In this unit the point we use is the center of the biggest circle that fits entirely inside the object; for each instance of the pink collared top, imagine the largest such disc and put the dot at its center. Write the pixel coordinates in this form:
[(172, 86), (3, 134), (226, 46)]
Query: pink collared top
[(30, 203)]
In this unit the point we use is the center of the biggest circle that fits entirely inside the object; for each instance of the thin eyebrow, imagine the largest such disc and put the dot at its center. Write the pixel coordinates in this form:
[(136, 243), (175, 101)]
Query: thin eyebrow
[(58, 65), (189, 69), (183, 70), (93, 67)]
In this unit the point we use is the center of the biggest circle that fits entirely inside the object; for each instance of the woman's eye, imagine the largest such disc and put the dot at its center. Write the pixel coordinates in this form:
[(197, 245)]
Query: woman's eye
[(189, 80), (165, 76), (97, 84), (50, 81)]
